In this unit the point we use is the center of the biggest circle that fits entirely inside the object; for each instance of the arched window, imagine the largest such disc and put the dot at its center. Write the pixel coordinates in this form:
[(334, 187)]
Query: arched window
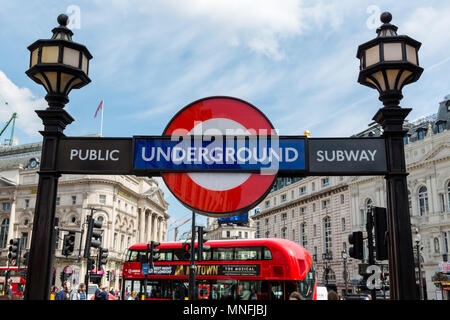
[(436, 245), (423, 201), (327, 233), (409, 202), (448, 196), (367, 206), (4, 228)]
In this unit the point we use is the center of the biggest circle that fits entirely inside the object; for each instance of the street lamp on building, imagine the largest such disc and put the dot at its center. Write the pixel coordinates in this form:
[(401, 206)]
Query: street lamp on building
[(59, 65), (344, 258), (417, 240), (388, 63)]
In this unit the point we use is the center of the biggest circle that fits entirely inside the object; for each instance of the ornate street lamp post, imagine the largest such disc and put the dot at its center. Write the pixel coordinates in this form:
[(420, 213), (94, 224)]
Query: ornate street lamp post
[(388, 63), (344, 258), (60, 65), (417, 240)]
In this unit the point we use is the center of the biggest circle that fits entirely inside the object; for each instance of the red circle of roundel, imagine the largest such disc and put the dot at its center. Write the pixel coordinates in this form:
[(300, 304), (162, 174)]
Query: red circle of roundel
[(218, 203)]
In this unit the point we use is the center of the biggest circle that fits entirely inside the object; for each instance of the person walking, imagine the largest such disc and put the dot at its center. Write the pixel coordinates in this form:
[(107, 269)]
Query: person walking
[(64, 293), (82, 291), (132, 295), (76, 294), (332, 295), (295, 296), (8, 291), (53, 292)]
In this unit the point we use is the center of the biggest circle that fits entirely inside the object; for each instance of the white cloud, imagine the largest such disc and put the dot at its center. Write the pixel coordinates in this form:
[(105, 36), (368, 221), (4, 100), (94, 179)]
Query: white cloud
[(23, 102)]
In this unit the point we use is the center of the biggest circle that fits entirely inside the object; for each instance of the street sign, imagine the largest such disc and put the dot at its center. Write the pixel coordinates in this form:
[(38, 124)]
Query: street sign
[(347, 156), (219, 194), (145, 268), (95, 155)]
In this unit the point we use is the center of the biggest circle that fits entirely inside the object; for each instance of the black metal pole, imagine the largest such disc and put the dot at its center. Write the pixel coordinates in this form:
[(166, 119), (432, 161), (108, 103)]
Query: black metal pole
[(369, 229), (147, 260), (192, 265), (40, 266), (400, 249), (420, 272)]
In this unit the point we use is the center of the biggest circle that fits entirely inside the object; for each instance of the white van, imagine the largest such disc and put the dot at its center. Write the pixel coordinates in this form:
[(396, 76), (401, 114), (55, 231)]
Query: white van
[(91, 291), (322, 293)]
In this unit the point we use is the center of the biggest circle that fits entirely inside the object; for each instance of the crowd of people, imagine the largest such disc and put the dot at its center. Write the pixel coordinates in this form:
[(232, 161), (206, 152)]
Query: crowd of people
[(80, 293)]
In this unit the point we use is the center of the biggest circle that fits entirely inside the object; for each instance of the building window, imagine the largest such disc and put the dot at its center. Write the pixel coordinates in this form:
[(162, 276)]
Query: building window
[(228, 234), (314, 230), (57, 201), (440, 127), (420, 134), (274, 201), (448, 196), (423, 201), (445, 242), (325, 182), (409, 202), (267, 222), (4, 228), (343, 224), (267, 204), (102, 199), (74, 200), (344, 246), (246, 234), (283, 197), (293, 234), (304, 236), (325, 204), (313, 186), (274, 218), (283, 233), (342, 199), (283, 216), (6, 206), (436, 245), (302, 210), (292, 194), (367, 207), (302, 190), (24, 241), (327, 233), (27, 203), (293, 213), (405, 140), (442, 199), (115, 240), (267, 234)]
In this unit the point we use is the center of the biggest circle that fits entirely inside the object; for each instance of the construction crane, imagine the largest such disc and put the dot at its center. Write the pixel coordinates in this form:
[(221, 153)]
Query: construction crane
[(13, 119), (176, 228)]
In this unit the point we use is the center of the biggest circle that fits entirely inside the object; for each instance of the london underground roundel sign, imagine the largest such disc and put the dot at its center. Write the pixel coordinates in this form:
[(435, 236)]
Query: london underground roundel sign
[(219, 194)]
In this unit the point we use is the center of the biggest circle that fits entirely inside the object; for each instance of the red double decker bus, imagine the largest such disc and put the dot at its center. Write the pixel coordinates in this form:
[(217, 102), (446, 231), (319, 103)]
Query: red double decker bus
[(17, 277), (259, 269)]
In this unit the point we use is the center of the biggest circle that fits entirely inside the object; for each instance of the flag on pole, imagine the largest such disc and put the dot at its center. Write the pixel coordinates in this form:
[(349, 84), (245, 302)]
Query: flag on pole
[(100, 106)]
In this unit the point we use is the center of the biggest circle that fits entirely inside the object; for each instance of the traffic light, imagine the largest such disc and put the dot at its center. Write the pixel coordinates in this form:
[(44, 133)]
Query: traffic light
[(14, 249), (187, 251), (26, 255), (201, 241), (90, 264), (103, 256), (68, 244), (92, 236), (356, 239), (380, 227), (154, 253)]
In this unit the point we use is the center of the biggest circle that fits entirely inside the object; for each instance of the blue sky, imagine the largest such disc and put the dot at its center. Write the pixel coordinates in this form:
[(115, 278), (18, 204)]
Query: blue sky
[(295, 60)]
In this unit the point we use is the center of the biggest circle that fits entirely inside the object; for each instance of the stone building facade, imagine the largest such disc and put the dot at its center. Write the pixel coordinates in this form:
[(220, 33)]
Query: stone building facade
[(132, 210), (315, 213)]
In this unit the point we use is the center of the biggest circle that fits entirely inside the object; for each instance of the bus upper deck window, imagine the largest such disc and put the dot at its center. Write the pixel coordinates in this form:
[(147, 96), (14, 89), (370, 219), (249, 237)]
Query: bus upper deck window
[(267, 254)]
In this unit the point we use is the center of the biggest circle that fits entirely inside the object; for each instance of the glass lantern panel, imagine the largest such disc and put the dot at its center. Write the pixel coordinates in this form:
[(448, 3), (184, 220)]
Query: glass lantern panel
[(71, 57), (41, 78), (74, 84), (52, 78), (379, 77), (84, 64), (65, 78), (372, 83), (50, 54), (372, 55), (392, 76), (403, 77), (34, 57), (393, 51), (411, 54)]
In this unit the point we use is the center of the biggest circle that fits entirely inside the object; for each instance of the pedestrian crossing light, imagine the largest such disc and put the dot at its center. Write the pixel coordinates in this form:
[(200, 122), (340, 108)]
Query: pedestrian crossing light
[(356, 239), (187, 251), (68, 244), (103, 256), (154, 253), (92, 236), (201, 240), (14, 247)]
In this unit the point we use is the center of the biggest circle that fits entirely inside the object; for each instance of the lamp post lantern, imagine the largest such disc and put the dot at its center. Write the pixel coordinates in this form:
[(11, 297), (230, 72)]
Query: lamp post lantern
[(388, 63), (60, 65)]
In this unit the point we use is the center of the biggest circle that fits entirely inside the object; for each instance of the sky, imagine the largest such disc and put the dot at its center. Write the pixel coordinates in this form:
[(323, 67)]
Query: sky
[(293, 59)]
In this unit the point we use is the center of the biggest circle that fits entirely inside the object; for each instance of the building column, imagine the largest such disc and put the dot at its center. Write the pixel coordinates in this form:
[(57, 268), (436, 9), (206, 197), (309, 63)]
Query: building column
[(141, 213), (12, 220), (150, 226)]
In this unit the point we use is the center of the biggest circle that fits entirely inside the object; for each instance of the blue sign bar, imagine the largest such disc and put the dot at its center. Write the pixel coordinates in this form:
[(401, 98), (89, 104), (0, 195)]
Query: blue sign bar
[(187, 153)]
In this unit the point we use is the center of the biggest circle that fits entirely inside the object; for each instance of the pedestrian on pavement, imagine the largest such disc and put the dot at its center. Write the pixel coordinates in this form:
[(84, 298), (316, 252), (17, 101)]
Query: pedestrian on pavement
[(98, 294), (332, 295), (104, 294), (295, 296), (8, 291), (112, 292), (53, 292), (64, 293), (132, 295), (82, 291)]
